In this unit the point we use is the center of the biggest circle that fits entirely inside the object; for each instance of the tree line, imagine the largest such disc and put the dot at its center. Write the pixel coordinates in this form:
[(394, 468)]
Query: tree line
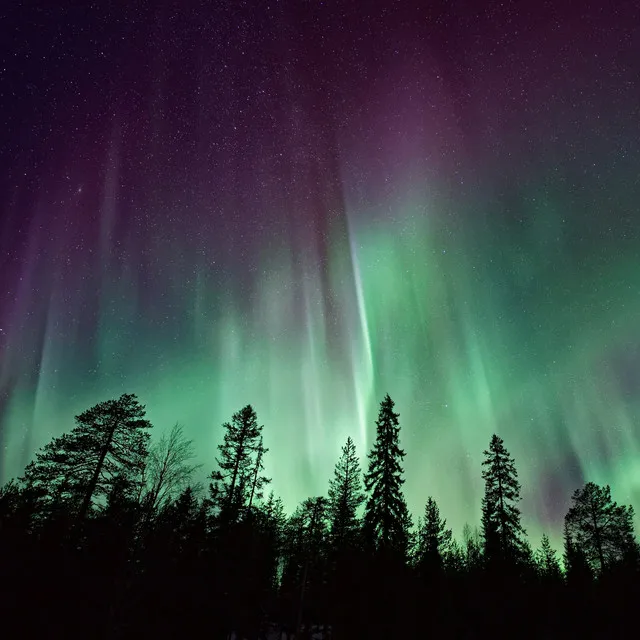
[(107, 535)]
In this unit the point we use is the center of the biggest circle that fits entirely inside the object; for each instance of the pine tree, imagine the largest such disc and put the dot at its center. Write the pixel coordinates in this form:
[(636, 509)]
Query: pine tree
[(599, 528), (547, 562), (237, 479), (387, 522), (502, 531), (345, 496), (434, 540), (107, 445)]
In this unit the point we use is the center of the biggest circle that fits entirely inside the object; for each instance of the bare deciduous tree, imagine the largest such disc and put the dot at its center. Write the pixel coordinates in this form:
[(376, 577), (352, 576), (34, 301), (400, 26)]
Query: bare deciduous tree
[(169, 468)]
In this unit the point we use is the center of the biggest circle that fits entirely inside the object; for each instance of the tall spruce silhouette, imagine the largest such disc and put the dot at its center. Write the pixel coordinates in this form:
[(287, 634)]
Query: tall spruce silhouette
[(501, 527), (234, 484), (387, 522), (599, 528), (345, 496), (108, 445)]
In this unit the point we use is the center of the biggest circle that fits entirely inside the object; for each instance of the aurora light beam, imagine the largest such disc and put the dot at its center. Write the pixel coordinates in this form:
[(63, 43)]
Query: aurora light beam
[(307, 209)]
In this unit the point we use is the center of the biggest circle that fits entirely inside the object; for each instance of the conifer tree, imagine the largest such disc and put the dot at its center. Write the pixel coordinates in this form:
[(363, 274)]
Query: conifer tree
[(547, 561), (272, 523), (387, 522), (306, 534), (454, 559), (501, 528), (107, 445), (305, 557), (345, 496), (184, 519), (471, 548), (599, 528), (434, 540), (239, 465)]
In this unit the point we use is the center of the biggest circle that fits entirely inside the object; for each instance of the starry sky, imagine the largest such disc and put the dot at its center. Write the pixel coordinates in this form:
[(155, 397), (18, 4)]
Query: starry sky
[(306, 205)]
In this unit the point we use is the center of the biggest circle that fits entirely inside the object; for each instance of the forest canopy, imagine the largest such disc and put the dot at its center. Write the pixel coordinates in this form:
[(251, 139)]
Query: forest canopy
[(121, 519)]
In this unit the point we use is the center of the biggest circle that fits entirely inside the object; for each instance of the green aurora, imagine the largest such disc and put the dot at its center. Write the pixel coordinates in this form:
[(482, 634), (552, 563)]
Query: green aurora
[(309, 215)]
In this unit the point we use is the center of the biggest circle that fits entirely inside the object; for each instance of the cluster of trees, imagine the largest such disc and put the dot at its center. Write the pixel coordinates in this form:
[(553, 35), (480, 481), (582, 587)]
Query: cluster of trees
[(107, 536)]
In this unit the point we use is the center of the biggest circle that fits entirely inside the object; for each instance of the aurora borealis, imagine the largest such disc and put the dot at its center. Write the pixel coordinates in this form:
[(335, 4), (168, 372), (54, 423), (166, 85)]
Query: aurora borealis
[(307, 205)]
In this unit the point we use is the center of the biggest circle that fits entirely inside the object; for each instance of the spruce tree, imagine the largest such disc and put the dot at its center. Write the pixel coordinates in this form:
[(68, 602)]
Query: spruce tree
[(434, 540), (387, 522), (345, 496), (599, 528), (108, 445), (501, 528), (237, 479), (547, 562)]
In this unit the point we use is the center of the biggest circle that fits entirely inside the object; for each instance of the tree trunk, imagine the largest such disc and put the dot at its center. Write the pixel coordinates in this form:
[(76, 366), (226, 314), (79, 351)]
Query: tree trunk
[(86, 502), (255, 475)]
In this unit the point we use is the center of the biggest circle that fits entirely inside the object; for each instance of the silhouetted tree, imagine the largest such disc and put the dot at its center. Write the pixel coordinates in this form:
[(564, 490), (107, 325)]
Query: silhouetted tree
[(547, 562), (501, 528), (305, 559), (315, 532), (454, 559), (273, 521), (471, 548), (109, 442), (185, 519), (386, 530), (577, 570), (599, 528), (150, 560), (169, 469), (434, 540), (345, 496), (240, 459), (9, 501), (387, 522), (258, 481)]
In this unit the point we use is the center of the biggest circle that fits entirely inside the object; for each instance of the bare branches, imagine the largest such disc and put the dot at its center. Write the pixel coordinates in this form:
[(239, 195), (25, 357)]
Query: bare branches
[(169, 468)]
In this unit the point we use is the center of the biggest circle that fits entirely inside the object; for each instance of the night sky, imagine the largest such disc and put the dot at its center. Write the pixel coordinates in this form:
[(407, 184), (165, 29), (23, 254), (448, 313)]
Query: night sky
[(306, 205)]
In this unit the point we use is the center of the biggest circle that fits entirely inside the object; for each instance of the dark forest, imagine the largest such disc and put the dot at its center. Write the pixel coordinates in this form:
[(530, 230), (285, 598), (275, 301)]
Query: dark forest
[(106, 535)]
